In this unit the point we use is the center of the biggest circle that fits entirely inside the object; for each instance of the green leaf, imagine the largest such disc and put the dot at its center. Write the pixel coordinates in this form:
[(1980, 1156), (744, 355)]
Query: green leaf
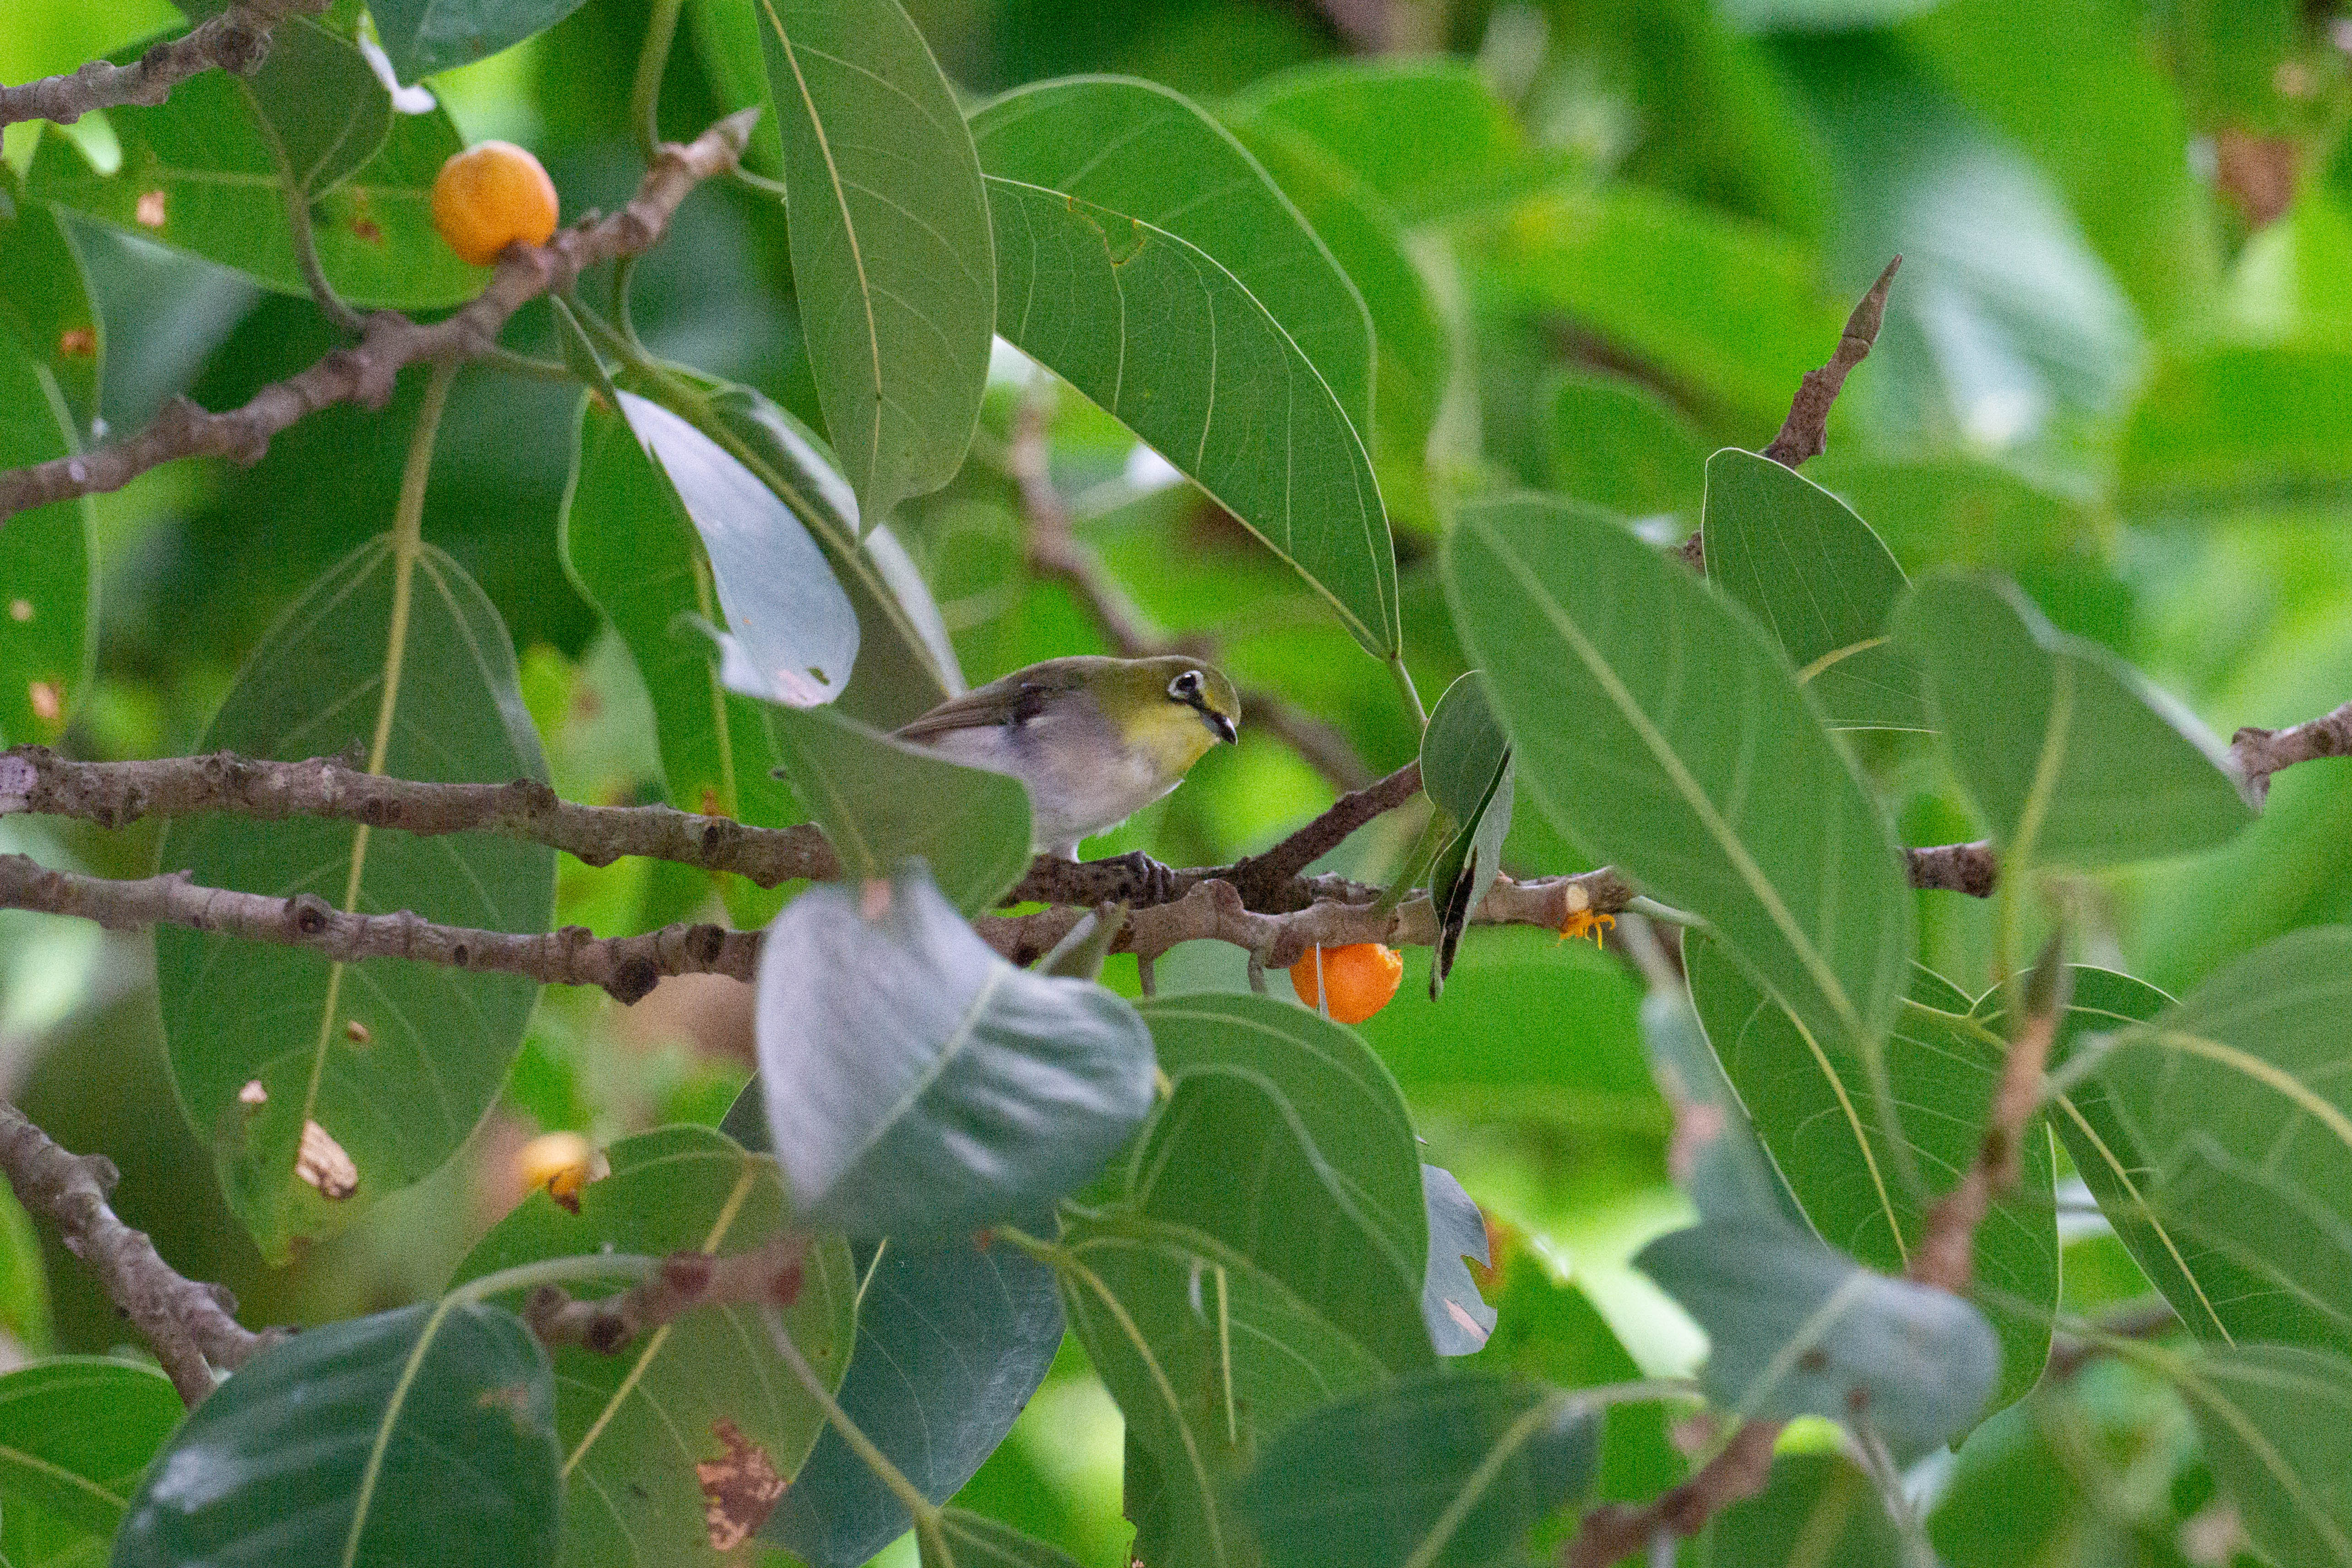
[(1618, 445), (636, 1427), (1413, 354), (951, 1341), (1458, 1317), (246, 1023), (1465, 770), (1812, 1105), (46, 581), (784, 609), (1820, 583), (1226, 1161), (629, 544), (1171, 344), (2272, 1417), (45, 299), (919, 1086), (891, 258), (75, 1434), (906, 666), (422, 37), (1208, 1358), (881, 800), (318, 106), (1718, 1158), (1427, 136), (727, 34), (2219, 1138), (1341, 1109), (1795, 1327), (1658, 728), (1816, 1506), (198, 174), (1135, 147), (1449, 1471), (2069, 754), (425, 1435), (2235, 428), (979, 1542)]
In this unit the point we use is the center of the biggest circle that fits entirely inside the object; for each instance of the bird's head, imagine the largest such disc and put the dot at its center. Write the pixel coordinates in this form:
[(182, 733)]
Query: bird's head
[(1177, 707)]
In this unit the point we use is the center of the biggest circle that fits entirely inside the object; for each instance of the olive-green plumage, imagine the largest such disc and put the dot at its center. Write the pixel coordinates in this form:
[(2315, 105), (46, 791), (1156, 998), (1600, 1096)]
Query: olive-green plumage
[(1093, 739)]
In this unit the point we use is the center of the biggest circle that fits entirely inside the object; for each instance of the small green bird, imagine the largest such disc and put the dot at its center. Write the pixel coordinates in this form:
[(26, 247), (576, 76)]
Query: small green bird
[(1095, 740)]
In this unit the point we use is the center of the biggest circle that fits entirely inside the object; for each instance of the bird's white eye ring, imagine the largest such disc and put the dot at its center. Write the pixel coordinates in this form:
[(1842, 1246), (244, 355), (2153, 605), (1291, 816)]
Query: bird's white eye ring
[(1186, 685)]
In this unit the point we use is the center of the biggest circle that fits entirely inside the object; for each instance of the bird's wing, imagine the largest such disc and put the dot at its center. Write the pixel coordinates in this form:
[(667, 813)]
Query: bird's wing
[(1013, 700)]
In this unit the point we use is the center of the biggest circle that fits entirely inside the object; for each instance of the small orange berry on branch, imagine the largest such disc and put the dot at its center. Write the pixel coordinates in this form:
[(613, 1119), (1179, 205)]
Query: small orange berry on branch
[(489, 196), (1355, 981)]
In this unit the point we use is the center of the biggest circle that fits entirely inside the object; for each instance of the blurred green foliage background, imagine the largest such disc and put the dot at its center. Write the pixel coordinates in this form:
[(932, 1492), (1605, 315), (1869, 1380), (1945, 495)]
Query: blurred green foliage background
[(2117, 365)]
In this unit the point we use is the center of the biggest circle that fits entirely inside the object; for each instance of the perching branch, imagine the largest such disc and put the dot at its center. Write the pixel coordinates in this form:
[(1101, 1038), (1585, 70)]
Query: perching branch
[(1804, 434), (685, 1281), (1055, 552), (2260, 753), (237, 40), (626, 966), (1615, 1530), (1971, 868), (364, 372), (190, 1325)]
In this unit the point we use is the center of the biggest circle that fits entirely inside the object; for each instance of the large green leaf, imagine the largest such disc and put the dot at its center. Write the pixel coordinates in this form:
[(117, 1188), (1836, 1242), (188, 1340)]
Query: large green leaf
[(785, 613), (1336, 1097), (906, 666), (46, 577), (2272, 1419), (1460, 1322), (726, 32), (1171, 344), (2068, 753), (1821, 581), (1209, 1358), (425, 1435), (318, 106), (1619, 445), (881, 800), (1428, 136), (1465, 770), (979, 1542), (952, 1340), (2219, 1138), (422, 37), (1812, 1104), (45, 299), (707, 1389), (1659, 728), (1795, 1327), (891, 258), (1717, 1157), (197, 174), (630, 545), (1136, 148), (919, 1086), (75, 1434), (1816, 1507), (393, 1062), (1227, 1160), (1446, 1471)]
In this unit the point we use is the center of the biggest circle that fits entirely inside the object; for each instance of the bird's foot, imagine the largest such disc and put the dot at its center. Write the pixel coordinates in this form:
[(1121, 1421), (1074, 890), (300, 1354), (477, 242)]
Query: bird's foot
[(1144, 882)]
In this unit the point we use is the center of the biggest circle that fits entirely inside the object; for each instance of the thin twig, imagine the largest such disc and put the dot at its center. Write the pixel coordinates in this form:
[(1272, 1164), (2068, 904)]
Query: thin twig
[(1971, 868), (1804, 434), (237, 40), (365, 372), (1615, 1530), (685, 1281), (192, 1326), (1055, 552), (2260, 753)]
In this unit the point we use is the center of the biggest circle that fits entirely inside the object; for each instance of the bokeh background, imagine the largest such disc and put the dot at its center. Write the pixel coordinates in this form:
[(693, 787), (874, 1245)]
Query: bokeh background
[(2117, 366)]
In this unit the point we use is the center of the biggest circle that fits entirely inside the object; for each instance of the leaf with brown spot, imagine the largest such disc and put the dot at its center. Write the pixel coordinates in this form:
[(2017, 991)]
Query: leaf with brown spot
[(739, 1491)]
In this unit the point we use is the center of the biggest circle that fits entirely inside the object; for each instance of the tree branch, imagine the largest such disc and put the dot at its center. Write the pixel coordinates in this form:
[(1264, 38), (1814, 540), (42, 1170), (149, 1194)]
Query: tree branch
[(1804, 434), (2263, 752), (685, 1281), (237, 40), (1971, 868), (1615, 1530), (1054, 551), (364, 372), (192, 1327)]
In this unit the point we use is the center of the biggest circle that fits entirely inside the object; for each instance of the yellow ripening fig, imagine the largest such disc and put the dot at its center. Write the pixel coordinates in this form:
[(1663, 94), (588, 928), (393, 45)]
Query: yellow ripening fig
[(1094, 740), (489, 196), (1350, 983), (562, 1163)]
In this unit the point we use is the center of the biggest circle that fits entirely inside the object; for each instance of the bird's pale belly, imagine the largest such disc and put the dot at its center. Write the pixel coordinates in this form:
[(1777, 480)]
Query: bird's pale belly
[(1068, 798)]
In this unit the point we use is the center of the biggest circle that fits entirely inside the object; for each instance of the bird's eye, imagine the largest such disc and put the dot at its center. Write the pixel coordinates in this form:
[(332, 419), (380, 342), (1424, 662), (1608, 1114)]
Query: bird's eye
[(1185, 685)]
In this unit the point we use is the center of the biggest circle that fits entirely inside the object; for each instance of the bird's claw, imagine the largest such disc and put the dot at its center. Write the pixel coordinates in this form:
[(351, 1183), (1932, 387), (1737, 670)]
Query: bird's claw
[(1145, 882)]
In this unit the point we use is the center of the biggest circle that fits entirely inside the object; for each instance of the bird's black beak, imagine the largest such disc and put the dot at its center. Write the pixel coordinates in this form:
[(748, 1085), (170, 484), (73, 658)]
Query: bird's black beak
[(1219, 725)]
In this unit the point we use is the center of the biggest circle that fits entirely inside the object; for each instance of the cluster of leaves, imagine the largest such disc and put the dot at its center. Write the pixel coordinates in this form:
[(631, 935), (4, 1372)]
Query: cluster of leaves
[(1219, 1198)]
